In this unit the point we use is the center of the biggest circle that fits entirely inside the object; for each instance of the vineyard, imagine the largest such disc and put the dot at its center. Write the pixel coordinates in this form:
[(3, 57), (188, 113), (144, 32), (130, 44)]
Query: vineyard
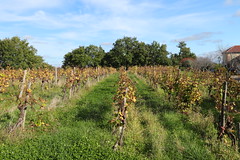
[(31, 88), (103, 113)]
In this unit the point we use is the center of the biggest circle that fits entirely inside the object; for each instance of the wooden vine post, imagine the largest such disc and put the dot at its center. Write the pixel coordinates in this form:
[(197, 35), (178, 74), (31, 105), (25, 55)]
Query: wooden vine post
[(23, 84), (56, 76), (23, 107), (238, 134), (123, 99), (71, 85), (224, 103), (226, 122), (98, 74)]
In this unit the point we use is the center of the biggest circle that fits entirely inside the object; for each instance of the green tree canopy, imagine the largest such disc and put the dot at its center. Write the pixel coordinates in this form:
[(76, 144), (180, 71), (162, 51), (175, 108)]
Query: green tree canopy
[(17, 53), (122, 52), (185, 51), (95, 55), (184, 56), (158, 54), (90, 56), (129, 52), (140, 55)]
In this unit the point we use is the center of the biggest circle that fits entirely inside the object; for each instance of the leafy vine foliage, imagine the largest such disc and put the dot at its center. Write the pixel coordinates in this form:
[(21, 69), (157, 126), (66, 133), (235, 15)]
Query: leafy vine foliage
[(188, 88), (20, 86), (180, 87), (124, 98)]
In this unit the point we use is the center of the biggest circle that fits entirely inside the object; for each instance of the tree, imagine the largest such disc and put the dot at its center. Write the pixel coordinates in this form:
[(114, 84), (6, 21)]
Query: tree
[(185, 51), (183, 48), (158, 54), (106, 60), (17, 53), (175, 59), (76, 58), (95, 55), (184, 57), (129, 52), (122, 52), (140, 54), (90, 56), (153, 51)]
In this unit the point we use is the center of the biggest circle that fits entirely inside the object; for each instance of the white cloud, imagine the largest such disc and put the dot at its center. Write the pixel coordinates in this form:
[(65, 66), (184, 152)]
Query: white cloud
[(228, 2), (232, 2), (68, 35), (38, 19), (196, 37), (237, 13), (124, 7), (106, 44), (191, 19), (40, 42), (217, 41), (28, 37), (113, 21), (29, 12), (23, 5)]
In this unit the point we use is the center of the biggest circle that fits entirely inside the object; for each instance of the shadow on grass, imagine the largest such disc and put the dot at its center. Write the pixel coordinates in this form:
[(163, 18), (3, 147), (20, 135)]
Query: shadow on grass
[(148, 97), (97, 104), (208, 105), (5, 117), (93, 111)]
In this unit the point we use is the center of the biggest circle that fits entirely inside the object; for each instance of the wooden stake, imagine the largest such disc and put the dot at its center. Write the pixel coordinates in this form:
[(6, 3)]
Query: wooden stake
[(56, 75), (23, 84)]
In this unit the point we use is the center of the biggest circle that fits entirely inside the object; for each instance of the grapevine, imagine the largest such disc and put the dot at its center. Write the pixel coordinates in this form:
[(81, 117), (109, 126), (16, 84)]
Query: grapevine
[(185, 88), (124, 98)]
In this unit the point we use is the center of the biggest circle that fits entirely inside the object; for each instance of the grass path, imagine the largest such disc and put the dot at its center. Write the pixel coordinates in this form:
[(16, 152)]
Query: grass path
[(168, 134)]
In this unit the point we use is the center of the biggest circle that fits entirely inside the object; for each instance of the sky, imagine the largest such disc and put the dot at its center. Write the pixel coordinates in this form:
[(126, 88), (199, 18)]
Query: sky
[(56, 27)]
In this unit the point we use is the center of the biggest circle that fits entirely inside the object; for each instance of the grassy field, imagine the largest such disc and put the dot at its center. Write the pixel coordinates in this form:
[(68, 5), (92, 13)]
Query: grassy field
[(78, 129)]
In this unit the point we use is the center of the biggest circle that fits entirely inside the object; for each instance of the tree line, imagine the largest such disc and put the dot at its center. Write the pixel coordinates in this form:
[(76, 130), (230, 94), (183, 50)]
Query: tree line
[(127, 51)]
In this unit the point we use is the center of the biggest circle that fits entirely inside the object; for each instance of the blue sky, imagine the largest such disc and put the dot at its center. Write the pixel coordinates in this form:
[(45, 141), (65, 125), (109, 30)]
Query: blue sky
[(56, 27)]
